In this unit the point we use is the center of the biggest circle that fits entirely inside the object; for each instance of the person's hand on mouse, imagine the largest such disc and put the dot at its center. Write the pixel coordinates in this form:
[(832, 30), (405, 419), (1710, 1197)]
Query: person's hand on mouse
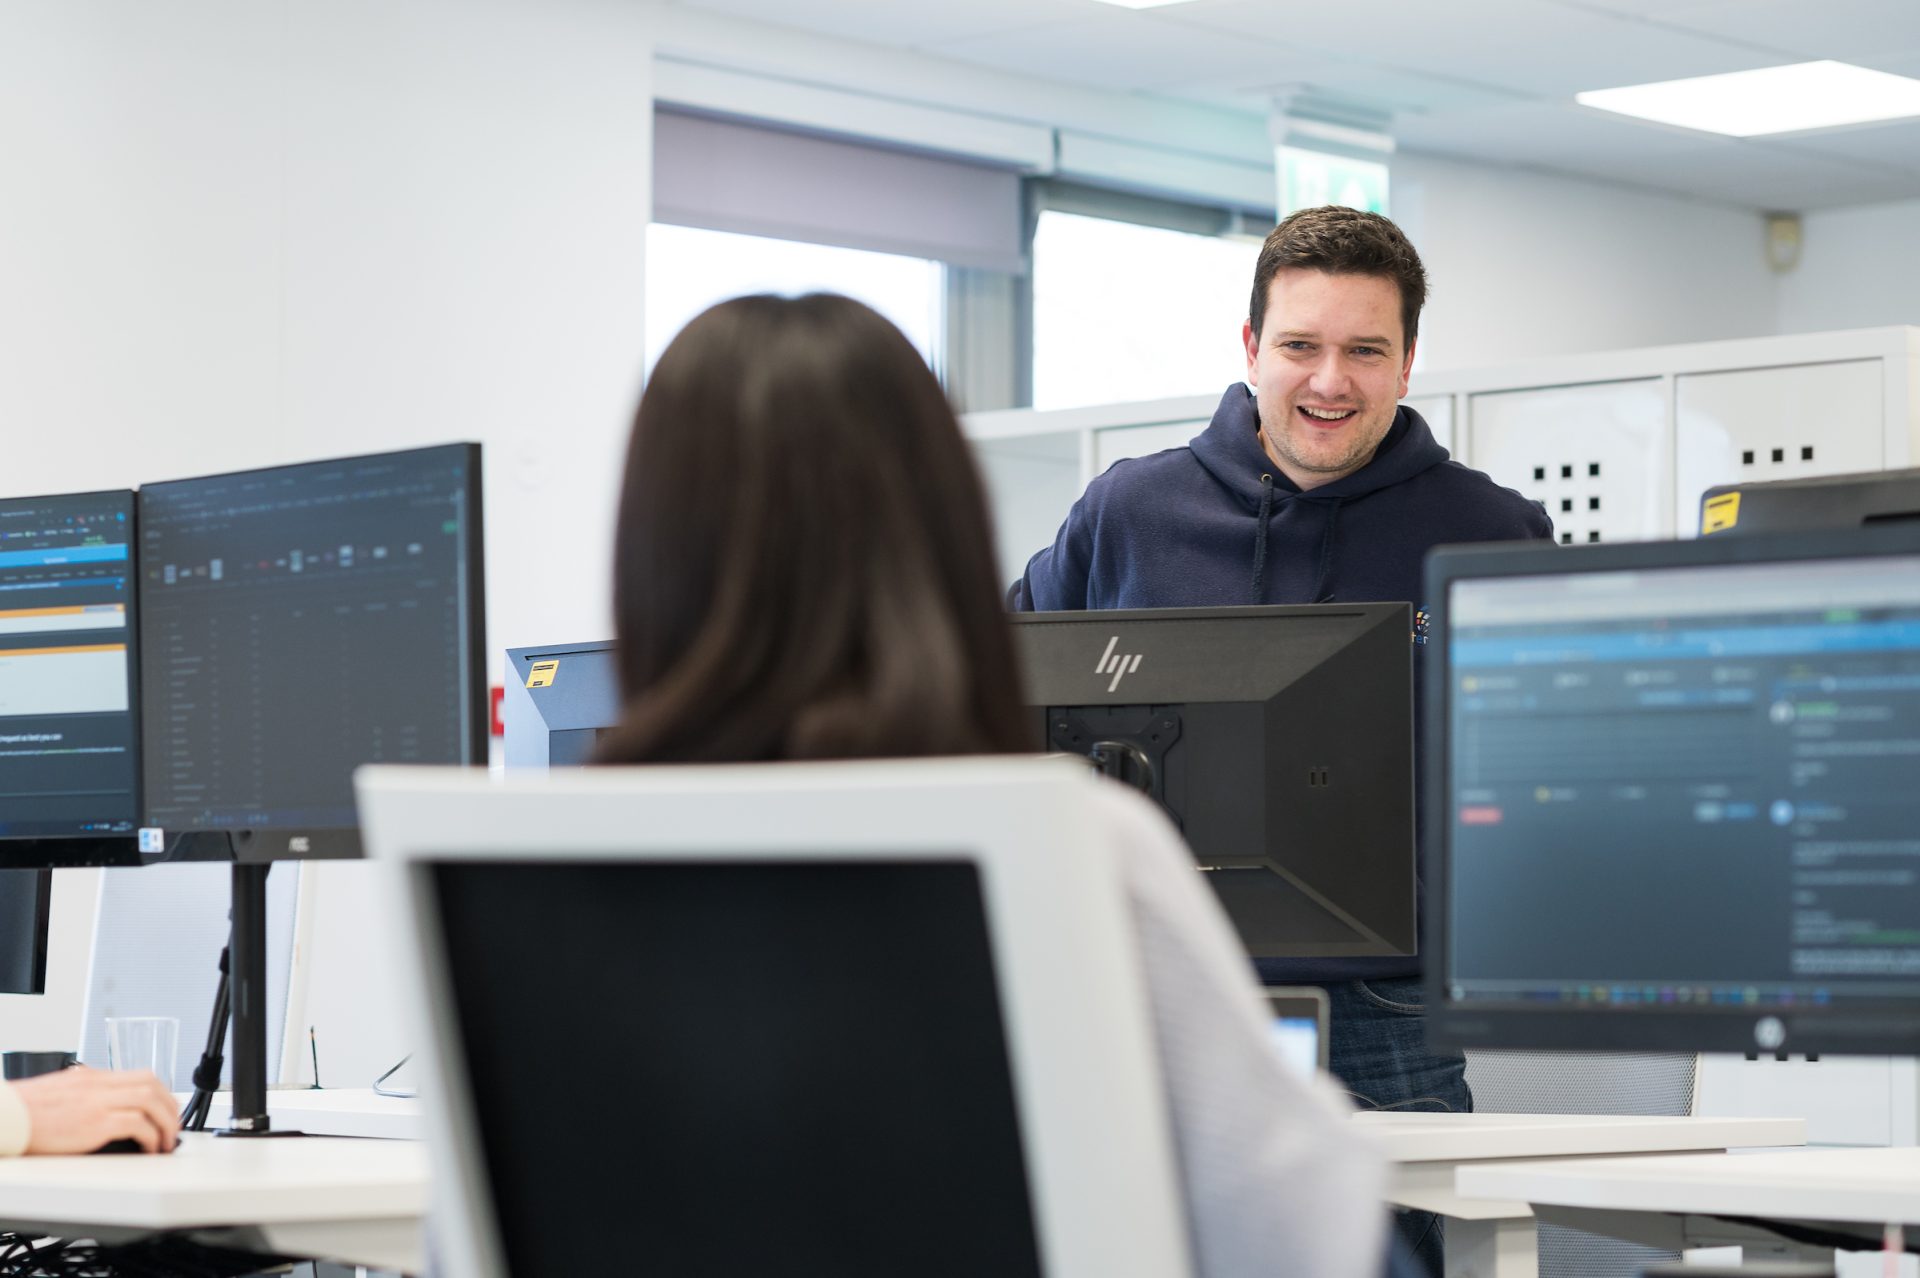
[(76, 1111)]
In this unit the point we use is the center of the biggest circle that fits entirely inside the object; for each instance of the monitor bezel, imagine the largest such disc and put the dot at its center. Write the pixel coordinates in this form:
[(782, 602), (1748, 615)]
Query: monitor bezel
[(1879, 1028), (88, 851), (330, 843)]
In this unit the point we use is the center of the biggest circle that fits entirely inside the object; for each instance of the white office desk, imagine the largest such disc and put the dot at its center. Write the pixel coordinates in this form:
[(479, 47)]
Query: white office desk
[(360, 1202), (333, 1111), (1492, 1234), (1678, 1202)]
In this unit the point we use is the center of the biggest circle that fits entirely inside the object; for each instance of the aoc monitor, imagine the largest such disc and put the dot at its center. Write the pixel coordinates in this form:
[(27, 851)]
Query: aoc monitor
[(69, 731), (1801, 505), (1280, 741), (1671, 795), (300, 621)]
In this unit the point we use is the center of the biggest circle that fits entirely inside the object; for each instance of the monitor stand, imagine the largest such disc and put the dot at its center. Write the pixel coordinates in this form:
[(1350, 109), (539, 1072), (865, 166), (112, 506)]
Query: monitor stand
[(249, 1003)]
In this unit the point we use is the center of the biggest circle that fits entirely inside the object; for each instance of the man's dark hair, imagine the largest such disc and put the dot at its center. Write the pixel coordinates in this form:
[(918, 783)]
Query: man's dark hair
[(803, 563), (1342, 241)]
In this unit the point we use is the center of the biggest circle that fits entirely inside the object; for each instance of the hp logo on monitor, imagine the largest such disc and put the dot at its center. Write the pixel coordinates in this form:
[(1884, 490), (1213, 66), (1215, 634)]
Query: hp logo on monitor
[(1117, 664)]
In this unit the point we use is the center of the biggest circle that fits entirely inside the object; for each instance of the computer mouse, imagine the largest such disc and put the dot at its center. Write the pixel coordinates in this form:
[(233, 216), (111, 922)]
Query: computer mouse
[(126, 1145)]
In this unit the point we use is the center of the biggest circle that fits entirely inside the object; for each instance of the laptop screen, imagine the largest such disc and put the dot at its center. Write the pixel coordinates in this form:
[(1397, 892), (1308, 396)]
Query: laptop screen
[(793, 1068)]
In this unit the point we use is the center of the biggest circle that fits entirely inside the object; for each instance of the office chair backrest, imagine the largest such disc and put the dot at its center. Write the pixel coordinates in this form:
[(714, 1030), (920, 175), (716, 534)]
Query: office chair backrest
[(807, 1019), (157, 935)]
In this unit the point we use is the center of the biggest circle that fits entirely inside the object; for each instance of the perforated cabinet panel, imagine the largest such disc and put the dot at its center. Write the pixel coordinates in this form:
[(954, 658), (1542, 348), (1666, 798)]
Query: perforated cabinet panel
[(1775, 423), (1597, 456)]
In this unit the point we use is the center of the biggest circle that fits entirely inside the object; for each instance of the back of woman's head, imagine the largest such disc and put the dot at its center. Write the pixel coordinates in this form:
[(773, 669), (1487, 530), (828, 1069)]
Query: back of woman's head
[(804, 566)]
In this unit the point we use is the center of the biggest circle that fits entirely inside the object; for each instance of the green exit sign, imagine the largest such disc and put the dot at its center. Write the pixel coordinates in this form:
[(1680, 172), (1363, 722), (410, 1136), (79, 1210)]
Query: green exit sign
[(1309, 179)]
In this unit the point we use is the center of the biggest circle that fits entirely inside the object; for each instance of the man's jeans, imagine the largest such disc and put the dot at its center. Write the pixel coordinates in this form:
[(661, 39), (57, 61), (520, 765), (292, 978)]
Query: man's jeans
[(1379, 1054)]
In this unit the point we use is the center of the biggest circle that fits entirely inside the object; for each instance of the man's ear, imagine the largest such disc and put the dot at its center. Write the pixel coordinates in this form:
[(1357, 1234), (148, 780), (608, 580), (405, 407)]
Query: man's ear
[(1251, 340), (1406, 369)]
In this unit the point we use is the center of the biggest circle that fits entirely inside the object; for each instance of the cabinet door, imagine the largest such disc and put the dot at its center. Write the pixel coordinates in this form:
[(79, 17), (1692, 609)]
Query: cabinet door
[(1597, 456), (1031, 481), (1846, 1100), (1775, 423), (1119, 442), (1438, 410)]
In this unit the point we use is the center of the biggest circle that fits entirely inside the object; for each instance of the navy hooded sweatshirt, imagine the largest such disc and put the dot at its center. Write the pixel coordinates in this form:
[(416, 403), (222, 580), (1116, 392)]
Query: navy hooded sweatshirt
[(1216, 524)]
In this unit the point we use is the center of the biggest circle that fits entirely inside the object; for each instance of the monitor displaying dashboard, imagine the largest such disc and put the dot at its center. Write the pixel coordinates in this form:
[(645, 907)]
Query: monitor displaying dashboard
[(69, 764), (300, 621), (1675, 804)]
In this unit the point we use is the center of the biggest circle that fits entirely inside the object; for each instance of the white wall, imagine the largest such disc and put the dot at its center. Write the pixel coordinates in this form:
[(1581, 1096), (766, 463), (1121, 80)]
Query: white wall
[(239, 232), (1858, 267), (1522, 264)]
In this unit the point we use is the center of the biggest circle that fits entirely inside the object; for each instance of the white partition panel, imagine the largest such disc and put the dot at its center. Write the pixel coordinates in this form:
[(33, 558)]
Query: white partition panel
[(1438, 410), (1031, 483), (1761, 424), (1598, 456), (1120, 442)]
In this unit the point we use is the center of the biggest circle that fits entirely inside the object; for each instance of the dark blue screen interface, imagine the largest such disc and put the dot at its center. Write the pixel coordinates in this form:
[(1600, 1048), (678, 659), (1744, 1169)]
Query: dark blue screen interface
[(1694, 786), (67, 762), (299, 622)]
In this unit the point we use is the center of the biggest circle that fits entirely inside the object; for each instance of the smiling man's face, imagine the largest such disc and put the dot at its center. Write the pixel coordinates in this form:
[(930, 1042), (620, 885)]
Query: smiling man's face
[(1327, 372)]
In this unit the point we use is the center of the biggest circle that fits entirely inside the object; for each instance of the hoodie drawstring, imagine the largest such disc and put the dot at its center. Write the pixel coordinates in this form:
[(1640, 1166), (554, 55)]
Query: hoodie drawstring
[(1320, 594), (1260, 539)]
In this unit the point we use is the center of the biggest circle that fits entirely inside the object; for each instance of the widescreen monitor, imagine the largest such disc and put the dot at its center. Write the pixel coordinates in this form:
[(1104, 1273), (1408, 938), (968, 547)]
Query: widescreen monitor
[(69, 763), (300, 621), (1280, 741), (1798, 505), (1672, 788)]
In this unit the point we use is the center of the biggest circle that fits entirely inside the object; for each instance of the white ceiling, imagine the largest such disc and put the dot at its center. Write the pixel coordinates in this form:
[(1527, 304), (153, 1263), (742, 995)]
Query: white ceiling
[(1485, 80)]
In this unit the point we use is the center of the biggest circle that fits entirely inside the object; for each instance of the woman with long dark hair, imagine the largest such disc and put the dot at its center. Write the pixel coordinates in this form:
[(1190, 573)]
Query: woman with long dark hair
[(804, 570)]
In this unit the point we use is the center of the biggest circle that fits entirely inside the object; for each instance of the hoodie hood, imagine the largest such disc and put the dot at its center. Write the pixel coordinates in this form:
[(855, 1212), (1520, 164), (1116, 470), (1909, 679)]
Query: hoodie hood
[(1229, 450)]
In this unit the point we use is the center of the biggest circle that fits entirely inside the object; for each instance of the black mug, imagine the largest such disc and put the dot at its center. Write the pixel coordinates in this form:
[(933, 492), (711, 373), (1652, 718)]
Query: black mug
[(19, 1065)]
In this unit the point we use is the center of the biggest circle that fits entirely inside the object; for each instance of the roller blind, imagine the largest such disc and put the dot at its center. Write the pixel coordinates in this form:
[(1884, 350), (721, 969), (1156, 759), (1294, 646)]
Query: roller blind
[(727, 175)]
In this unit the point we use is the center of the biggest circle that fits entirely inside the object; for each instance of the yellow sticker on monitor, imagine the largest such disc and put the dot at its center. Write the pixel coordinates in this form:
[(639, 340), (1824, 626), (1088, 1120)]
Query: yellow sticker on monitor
[(1720, 513), (541, 674)]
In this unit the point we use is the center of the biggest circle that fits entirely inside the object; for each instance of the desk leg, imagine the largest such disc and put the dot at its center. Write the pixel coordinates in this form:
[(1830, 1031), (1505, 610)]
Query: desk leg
[(1508, 1248)]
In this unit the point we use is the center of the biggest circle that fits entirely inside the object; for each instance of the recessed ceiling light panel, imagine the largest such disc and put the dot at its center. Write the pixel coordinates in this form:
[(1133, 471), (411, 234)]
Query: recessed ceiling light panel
[(1746, 104), (1141, 4)]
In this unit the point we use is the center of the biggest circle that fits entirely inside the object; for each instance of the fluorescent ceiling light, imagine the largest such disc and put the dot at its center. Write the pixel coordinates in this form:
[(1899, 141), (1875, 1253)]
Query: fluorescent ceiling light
[(1141, 4), (1745, 104)]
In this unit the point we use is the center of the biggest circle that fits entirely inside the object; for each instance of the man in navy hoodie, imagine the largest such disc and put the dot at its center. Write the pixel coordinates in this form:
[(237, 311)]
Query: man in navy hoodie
[(1314, 486)]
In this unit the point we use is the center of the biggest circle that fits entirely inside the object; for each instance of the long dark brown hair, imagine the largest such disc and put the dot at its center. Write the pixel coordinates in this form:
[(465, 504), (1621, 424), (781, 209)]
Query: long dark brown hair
[(804, 565)]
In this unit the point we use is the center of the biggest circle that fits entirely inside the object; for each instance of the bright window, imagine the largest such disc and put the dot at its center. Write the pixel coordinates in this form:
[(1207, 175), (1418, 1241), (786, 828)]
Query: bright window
[(689, 270), (1123, 311)]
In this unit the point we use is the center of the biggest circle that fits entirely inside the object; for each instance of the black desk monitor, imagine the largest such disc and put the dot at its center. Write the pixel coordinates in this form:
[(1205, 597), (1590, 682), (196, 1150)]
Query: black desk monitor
[(69, 763), (1280, 740), (1796, 505), (298, 622), (69, 769), (1672, 794)]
